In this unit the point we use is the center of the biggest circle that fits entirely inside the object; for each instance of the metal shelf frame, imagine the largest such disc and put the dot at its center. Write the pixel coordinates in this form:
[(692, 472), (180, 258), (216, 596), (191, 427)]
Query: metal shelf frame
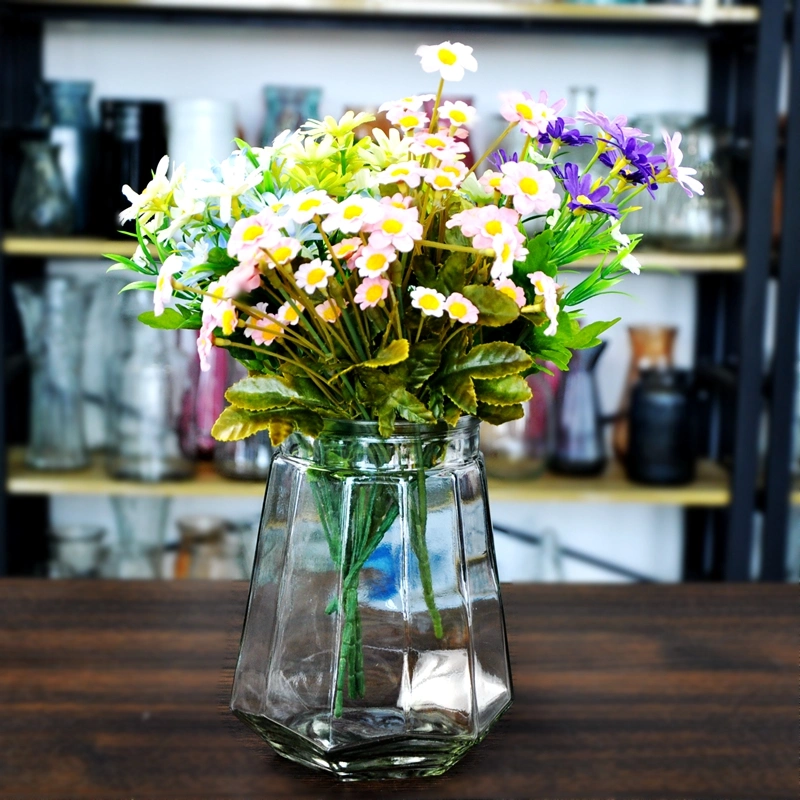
[(745, 56)]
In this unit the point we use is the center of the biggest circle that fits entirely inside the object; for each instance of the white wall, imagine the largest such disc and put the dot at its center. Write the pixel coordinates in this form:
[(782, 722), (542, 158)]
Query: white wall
[(366, 67)]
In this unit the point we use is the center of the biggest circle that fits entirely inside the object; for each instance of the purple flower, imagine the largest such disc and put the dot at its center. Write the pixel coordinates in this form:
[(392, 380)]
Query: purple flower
[(500, 157), (641, 165), (583, 198), (555, 131), (617, 128), (681, 175)]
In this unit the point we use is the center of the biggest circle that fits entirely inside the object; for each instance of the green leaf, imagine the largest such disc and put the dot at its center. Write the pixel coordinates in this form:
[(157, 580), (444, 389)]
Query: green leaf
[(423, 360), (506, 391), (123, 262), (424, 271), (235, 423), (149, 285), (393, 353), (492, 360), (497, 415), (461, 390), (539, 255), (587, 336), (261, 393), (453, 274), (387, 396), (494, 307), (170, 320)]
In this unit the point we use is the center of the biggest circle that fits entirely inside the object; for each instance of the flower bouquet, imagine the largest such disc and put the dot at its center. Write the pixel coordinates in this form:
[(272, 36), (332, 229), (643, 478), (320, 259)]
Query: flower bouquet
[(384, 298)]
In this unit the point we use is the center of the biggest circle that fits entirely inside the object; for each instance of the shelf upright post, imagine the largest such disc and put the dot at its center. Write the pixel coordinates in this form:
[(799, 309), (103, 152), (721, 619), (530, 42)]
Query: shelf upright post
[(784, 363), (20, 71), (763, 127)]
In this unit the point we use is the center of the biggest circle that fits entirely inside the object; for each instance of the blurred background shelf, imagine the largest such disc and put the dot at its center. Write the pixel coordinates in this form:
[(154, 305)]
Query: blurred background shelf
[(78, 247), (703, 14), (709, 489)]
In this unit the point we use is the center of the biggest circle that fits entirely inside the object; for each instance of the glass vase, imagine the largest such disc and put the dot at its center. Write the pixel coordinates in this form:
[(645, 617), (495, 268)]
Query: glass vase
[(374, 643)]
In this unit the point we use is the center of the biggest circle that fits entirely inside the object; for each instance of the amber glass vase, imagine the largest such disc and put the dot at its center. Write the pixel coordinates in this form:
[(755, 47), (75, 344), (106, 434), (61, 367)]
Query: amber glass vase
[(651, 348), (374, 644)]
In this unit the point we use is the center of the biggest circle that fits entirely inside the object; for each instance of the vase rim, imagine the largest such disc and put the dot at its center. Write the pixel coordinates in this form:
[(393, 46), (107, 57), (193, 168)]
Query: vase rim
[(360, 427)]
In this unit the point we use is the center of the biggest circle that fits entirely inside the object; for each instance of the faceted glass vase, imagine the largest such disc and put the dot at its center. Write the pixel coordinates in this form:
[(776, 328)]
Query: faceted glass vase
[(374, 644)]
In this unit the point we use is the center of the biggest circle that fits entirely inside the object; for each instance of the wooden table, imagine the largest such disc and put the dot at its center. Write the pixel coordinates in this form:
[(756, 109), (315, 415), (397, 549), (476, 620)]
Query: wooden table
[(120, 690)]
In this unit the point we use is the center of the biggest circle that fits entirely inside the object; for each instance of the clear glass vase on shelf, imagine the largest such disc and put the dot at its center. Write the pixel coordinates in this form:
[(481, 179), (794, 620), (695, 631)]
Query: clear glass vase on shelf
[(374, 644), (141, 532), (52, 313), (77, 551), (148, 380), (41, 205), (522, 448)]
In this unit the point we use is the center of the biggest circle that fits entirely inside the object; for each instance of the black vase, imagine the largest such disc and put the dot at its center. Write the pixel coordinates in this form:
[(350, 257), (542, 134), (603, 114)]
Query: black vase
[(580, 449), (662, 429)]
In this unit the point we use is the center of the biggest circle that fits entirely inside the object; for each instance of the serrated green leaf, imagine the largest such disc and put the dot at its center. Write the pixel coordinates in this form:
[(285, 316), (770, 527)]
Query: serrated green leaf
[(492, 360), (461, 390), (506, 391), (235, 423), (279, 431), (170, 320), (497, 415), (387, 397), (261, 393), (393, 353), (423, 360), (453, 274), (494, 308)]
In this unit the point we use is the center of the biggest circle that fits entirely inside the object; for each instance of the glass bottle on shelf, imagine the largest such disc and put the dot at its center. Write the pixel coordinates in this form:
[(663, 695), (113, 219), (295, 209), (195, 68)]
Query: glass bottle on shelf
[(52, 312), (521, 448), (141, 531), (201, 551), (580, 449), (287, 108), (712, 221), (248, 459), (651, 348), (148, 380), (77, 551), (41, 205)]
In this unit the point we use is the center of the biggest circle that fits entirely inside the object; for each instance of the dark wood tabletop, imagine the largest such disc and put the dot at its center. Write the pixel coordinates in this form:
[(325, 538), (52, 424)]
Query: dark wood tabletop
[(120, 690)]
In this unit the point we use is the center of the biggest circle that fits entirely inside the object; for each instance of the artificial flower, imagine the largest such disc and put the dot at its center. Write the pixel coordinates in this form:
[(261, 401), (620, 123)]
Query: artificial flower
[(583, 198), (282, 251), (152, 199), (490, 180), (460, 309), (412, 103), (555, 132), (507, 248), (407, 172), (352, 214), (251, 233), (446, 177), (428, 301), (444, 147), (531, 188), (347, 249), (531, 115), (544, 286), (448, 59), (370, 292), (329, 310), (163, 293), (510, 289), (246, 277), (262, 330), (407, 118), (458, 113), (205, 341), (237, 176), (483, 224), (289, 313), (399, 228), (347, 123), (305, 206), (679, 174), (373, 261), (314, 275)]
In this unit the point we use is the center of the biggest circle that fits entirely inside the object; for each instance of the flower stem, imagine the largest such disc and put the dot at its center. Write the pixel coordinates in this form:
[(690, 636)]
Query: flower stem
[(493, 146)]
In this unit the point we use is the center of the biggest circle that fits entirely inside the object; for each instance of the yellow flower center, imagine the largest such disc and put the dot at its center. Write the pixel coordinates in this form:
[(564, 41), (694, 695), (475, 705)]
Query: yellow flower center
[(392, 226), (307, 205), (529, 186), (401, 171), (493, 227), (443, 182), (506, 254), (508, 291), (376, 262), (282, 253), (452, 170), (434, 141), (583, 199), (409, 121), (447, 56), (290, 315), (458, 309), (276, 207), (457, 116), (539, 287), (524, 110), (329, 314), (272, 329), (374, 293), (495, 181), (344, 250), (430, 302), (253, 232), (316, 275), (228, 321), (353, 211)]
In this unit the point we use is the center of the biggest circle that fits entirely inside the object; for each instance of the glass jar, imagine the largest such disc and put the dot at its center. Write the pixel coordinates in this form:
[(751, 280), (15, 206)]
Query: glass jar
[(41, 205), (148, 380), (141, 532), (651, 348), (77, 551), (52, 313), (374, 643), (287, 108), (521, 448), (201, 550)]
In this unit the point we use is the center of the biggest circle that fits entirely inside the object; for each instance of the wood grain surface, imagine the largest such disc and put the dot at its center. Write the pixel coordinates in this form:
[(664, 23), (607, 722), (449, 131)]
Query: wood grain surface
[(120, 690)]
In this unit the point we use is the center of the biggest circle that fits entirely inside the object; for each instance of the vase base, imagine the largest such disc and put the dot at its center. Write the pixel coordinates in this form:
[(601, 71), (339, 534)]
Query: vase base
[(426, 752)]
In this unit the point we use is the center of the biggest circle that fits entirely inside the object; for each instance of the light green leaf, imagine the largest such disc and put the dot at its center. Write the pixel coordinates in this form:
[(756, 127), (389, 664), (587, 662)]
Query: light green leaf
[(492, 360), (497, 415), (149, 285), (461, 390), (506, 391), (235, 423), (393, 353), (170, 320), (261, 393), (494, 308), (453, 274)]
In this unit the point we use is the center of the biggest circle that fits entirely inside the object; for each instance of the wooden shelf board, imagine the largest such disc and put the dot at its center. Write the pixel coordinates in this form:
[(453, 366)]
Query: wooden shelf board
[(95, 248), (710, 488), (703, 14)]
